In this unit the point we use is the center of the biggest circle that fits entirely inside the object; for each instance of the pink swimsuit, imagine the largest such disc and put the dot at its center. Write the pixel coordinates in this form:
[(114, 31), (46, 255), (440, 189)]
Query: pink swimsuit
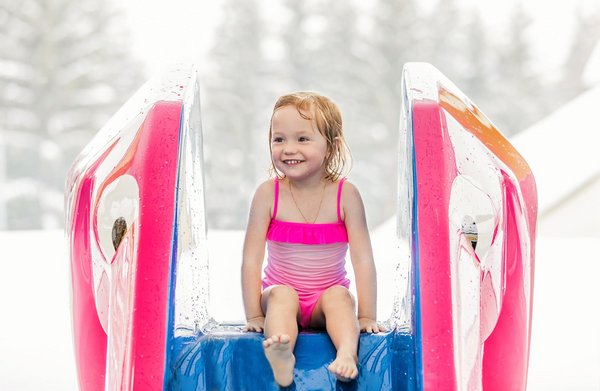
[(307, 257)]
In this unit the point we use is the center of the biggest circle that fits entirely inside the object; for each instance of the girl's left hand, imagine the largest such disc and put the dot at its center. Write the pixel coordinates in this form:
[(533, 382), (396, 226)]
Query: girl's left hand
[(369, 325), (256, 324)]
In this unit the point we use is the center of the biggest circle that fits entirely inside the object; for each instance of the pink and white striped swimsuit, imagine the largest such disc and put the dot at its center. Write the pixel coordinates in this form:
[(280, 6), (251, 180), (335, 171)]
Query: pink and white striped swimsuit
[(307, 257)]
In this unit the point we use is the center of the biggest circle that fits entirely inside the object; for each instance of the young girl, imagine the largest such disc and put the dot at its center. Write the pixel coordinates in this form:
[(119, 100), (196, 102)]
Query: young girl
[(308, 215)]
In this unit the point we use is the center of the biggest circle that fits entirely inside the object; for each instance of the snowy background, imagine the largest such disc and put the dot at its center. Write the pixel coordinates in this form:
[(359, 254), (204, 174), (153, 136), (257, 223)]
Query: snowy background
[(35, 332), (66, 66)]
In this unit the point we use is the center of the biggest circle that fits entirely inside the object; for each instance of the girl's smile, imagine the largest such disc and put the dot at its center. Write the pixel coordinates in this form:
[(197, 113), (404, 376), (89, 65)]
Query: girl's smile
[(292, 162)]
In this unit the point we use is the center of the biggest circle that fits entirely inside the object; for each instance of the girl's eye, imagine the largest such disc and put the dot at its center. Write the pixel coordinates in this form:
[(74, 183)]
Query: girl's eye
[(277, 139), (303, 139)]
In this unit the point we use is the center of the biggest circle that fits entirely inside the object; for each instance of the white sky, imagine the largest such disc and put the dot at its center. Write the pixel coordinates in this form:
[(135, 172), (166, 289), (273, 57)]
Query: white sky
[(182, 30)]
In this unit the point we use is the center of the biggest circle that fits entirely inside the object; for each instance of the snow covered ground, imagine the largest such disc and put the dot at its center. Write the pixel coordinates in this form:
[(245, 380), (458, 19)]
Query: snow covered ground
[(36, 350)]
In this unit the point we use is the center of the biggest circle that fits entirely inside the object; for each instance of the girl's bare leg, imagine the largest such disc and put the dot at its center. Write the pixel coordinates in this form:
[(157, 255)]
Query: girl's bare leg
[(335, 312), (280, 304)]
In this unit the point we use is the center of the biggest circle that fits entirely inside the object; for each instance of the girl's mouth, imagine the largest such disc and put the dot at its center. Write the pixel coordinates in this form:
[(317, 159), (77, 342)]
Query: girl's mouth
[(292, 162)]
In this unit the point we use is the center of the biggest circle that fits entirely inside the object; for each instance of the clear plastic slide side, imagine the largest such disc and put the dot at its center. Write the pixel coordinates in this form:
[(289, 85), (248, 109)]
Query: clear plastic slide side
[(138, 247)]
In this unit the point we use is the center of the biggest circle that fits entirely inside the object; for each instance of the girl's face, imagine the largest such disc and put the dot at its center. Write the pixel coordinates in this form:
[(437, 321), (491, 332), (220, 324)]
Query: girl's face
[(298, 149)]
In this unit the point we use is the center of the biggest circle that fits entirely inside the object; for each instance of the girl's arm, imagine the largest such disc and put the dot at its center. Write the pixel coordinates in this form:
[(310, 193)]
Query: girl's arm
[(361, 254), (253, 255)]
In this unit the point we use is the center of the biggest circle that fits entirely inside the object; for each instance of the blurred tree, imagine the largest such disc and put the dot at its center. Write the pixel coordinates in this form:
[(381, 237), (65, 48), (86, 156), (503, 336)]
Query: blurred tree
[(344, 71), (65, 67), (291, 60), (448, 40), (477, 69), (516, 86), (398, 36), (585, 39), (236, 115), (459, 46), (394, 36), (298, 43)]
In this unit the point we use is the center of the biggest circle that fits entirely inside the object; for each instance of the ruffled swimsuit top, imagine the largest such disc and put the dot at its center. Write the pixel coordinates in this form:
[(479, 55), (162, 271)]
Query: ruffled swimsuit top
[(308, 257)]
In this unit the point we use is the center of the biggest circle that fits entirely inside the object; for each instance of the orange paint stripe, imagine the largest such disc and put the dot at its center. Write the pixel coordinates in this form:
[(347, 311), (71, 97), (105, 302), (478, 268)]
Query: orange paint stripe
[(476, 123)]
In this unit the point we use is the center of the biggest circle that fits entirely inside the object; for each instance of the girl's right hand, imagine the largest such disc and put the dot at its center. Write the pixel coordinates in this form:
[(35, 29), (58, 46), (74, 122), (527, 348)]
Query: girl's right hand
[(256, 324)]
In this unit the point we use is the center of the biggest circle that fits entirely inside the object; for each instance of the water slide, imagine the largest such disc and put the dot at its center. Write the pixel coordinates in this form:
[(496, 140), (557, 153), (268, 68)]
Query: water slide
[(461, 299)]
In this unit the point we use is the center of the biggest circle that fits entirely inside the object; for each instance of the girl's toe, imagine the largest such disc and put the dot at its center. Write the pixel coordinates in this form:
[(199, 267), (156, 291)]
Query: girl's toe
[(268, 342)]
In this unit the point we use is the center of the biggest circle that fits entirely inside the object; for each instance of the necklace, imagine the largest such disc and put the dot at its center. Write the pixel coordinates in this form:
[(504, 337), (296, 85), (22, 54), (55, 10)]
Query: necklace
[(299, 210)]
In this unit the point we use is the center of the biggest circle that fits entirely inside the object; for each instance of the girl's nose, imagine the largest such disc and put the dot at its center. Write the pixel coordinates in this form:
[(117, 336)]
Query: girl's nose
[(289, 149)]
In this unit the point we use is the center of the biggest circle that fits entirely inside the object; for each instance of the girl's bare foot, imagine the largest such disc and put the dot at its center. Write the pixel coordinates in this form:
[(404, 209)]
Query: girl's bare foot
[(344, 367), (281, 358)]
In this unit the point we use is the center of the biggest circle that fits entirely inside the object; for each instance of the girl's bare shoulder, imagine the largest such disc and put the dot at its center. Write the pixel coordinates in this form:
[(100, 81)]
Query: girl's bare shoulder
[(351, 202), (350, 191), (264, 194), (267, 188)]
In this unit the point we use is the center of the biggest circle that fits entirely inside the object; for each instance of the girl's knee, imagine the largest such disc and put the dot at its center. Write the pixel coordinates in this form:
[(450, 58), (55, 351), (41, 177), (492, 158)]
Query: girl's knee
[(337, 295), (283, 293)]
